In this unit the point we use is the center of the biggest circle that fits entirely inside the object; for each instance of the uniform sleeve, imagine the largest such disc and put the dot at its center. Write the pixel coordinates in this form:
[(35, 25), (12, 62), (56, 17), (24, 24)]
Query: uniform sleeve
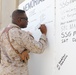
[(33, 45)]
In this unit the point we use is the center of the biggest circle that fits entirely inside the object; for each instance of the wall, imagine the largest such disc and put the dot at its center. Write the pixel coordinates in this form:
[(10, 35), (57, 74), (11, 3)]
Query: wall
[(0, 14), (60, 18), (20, 1), (6, 9)]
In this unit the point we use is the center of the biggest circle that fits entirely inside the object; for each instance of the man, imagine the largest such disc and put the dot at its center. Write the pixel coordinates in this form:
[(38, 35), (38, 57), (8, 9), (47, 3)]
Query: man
[(16, 43)]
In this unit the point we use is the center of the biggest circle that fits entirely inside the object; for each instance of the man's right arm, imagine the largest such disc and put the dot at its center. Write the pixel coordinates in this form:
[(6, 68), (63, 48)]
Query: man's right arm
[(36, 46)]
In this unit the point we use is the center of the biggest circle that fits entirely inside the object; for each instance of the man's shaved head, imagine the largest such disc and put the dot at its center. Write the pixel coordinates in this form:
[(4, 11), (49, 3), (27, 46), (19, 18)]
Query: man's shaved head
[(17, 13), (20, 18)]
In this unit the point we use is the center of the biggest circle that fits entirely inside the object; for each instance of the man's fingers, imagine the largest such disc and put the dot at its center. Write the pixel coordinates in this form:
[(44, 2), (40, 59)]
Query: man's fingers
[(27, 56)]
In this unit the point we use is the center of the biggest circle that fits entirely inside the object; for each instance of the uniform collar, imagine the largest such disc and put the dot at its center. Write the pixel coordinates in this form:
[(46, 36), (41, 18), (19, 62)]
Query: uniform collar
[(14, 25)]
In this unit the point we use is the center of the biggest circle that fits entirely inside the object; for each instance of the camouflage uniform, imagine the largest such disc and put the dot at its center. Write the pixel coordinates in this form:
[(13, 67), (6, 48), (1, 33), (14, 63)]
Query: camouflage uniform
[(11, 64)]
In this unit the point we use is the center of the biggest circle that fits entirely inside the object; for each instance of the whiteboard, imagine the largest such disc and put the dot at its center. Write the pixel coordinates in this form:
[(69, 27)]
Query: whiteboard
[(65, 52), (39, 12)]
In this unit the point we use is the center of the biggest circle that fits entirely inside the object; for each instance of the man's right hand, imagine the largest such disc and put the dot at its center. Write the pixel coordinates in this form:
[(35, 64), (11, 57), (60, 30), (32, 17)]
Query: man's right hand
[(43, 29)]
